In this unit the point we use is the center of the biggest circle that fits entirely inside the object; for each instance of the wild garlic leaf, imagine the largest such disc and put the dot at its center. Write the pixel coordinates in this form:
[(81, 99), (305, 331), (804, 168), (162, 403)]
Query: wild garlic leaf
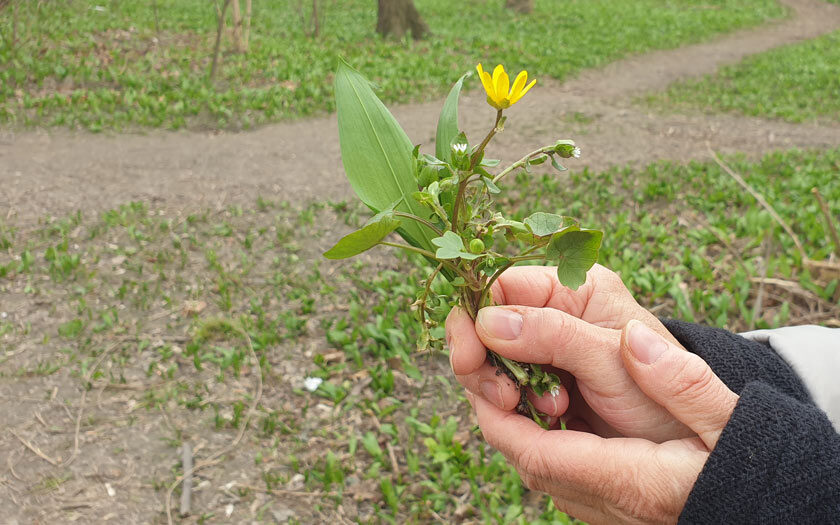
[(364, 239)]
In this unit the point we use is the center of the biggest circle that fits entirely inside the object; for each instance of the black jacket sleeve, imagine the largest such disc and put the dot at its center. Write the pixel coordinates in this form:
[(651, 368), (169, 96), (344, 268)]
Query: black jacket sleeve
[(778, 458)]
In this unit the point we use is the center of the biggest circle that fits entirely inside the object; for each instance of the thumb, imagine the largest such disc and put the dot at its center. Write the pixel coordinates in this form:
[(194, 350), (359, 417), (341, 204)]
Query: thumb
[(678, 380)]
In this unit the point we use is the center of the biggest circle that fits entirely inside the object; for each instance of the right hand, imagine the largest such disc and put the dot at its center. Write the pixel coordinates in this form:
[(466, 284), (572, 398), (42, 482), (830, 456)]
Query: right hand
[(576, 334)]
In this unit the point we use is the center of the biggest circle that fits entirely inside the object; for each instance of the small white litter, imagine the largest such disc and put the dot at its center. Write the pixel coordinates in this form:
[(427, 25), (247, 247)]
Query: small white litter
[(312, 383)]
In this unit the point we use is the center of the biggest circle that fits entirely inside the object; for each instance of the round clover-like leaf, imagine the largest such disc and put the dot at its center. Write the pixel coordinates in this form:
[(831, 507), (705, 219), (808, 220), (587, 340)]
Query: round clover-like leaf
[(544, 224), (575, 252), (451, 246)]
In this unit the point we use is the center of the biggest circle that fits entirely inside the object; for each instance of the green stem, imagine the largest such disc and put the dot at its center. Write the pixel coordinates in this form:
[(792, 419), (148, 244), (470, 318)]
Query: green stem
[(421, 251), (426, 292), (420, 220), (480, 150), (462, 185), (521, 162)]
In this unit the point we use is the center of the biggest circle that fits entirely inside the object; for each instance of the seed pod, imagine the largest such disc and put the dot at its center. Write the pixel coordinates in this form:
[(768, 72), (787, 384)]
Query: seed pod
[(476, 246)]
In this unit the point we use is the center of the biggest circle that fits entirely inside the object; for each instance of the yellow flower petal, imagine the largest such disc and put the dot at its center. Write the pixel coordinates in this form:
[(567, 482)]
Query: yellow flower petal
[(518, 84), (502, 85), (522, 94), (486, 80)]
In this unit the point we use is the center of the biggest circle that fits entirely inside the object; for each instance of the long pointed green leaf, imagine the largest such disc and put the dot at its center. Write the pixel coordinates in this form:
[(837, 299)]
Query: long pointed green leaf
[(364, 239), (377, 153), (447, 128)]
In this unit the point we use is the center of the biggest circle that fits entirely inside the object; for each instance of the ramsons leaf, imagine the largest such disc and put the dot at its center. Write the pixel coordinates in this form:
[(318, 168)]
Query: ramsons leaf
[(447, 128), (364, 239), (377, 153), (574, 252)]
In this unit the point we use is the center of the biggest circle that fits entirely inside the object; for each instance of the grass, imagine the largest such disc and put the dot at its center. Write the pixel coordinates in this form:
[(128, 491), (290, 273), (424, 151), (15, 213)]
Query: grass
[(79, 66), (796, 83), (387, 434)]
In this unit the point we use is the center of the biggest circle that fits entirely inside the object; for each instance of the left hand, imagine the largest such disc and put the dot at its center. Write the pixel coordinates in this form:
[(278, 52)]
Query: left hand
[(627, 480)]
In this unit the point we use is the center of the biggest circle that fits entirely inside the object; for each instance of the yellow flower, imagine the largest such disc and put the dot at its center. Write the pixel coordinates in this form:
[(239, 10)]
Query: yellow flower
[(500, 94)]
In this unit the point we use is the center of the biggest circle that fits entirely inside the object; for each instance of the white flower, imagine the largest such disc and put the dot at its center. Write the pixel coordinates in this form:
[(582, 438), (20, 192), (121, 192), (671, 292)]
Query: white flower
[(459, 148), (312, 383), (576, 153), (555, 391)]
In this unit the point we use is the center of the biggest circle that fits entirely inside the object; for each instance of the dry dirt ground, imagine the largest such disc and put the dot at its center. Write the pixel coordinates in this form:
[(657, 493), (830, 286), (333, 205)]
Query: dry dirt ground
[(110, 457)]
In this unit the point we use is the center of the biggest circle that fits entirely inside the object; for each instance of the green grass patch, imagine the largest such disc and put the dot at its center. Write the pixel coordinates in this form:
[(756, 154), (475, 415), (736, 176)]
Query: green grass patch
[(104, 64), (796, 83), (175, 290)]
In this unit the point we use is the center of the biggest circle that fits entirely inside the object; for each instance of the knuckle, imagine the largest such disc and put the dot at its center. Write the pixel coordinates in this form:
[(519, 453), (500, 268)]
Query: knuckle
[(693, 380), (531, 461)]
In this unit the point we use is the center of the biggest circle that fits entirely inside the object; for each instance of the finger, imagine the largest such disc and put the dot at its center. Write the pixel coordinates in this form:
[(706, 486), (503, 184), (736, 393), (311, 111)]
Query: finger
[(679, 381), (488, 383), (538, 286), (550, 404), (624, 479), (603, 299), (570, 458), (466, 351), (549, 336)]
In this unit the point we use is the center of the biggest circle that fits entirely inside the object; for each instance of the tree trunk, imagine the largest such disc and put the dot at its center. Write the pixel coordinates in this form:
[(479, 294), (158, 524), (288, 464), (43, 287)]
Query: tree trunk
[(237, 27), (398, 17), (520, 6)]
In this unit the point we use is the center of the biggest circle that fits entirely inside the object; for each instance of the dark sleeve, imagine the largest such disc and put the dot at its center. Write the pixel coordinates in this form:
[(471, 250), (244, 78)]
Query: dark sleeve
[(777, 461), (778, 458), (737, 360)]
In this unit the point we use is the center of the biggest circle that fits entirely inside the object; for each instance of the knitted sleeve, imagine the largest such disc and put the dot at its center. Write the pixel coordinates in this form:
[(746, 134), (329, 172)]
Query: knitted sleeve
[(737, 360), (777, 461), (778, 458)]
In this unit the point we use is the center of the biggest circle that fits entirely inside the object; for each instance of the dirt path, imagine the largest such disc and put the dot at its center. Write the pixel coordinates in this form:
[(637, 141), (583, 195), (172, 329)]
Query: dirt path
[(42, 172)]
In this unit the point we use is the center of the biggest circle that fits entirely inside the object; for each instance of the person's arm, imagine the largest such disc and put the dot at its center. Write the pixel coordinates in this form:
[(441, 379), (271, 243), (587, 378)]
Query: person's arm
[(736, 360), (777, 461)]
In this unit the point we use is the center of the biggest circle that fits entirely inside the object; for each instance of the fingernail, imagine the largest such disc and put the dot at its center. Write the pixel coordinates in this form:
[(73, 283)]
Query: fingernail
[(645, 344), (492, 392), (500, 323)]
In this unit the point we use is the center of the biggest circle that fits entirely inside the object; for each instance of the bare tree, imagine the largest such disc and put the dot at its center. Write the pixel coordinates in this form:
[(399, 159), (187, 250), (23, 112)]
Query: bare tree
[(220, 15), (398, 17), (520, 6)]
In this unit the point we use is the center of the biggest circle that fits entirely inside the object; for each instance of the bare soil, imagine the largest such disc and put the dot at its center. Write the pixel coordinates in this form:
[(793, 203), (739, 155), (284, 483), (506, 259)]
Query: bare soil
[(124, 447)]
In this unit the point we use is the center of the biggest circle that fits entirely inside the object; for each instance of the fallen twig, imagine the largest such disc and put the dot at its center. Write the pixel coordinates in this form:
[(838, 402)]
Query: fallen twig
[(761, 201), (829, 222), (215, 458), (87, 380), (186, 488), (35, 450)]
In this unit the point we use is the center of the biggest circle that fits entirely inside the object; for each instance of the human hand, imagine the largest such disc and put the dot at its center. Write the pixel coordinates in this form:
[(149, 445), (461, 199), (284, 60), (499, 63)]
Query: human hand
[(575, 332), (622, 480)]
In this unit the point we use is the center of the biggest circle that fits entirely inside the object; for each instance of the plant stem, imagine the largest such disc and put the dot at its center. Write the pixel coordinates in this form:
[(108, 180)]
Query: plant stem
[(521, 162), (420, 220), (480, 150), (426, 292), (462, 185)]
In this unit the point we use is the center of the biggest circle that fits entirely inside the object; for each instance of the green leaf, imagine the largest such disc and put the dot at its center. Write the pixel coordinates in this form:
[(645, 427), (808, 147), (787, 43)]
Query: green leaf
[(574, 252), (364, 239), (376, 153), (451, 246), (544, 224), (557, 165), (491, 186), (447, 128)]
